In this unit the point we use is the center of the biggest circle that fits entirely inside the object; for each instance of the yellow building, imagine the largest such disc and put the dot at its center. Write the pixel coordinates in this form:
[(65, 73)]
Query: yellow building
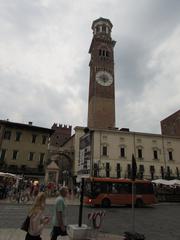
[(157, 156), (23, 147)]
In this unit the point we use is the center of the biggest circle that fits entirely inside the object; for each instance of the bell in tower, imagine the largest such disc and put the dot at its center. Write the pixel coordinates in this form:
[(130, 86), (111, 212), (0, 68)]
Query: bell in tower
[(101, 105)]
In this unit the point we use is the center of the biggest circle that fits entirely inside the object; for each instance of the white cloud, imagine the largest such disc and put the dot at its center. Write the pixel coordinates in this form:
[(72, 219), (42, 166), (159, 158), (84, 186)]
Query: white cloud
[(161, 94)]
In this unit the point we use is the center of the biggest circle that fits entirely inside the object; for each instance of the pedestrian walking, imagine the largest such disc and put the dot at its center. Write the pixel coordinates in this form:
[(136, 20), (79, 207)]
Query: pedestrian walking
[(37, 218), (59, 227)]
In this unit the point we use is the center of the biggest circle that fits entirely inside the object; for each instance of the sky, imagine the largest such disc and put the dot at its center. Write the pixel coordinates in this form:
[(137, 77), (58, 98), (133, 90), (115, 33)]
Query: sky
[(44, 60)]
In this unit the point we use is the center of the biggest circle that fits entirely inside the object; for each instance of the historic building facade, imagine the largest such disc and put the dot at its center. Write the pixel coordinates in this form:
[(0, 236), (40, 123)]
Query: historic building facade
[(23, 147), (60, 135), (157, 156), (62, 159)]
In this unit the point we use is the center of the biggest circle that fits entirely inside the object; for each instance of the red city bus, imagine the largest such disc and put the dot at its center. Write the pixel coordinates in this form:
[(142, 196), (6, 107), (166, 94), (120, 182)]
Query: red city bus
[(106, 192)]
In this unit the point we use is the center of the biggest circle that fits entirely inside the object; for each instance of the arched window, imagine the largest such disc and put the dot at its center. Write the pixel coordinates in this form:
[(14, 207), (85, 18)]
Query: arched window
[(104, 28), (97, 29)]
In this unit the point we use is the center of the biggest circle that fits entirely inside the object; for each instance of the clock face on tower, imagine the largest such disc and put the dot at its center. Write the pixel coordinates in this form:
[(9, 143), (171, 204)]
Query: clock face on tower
[(104, 78)]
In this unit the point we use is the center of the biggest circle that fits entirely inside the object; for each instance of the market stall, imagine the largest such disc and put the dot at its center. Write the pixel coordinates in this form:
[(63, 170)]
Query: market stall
[(167, 190)]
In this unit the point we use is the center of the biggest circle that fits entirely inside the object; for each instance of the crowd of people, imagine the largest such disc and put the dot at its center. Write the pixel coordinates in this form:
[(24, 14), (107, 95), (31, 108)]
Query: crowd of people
[(167, 193), (38, 192), (167, 189), (29, 189)]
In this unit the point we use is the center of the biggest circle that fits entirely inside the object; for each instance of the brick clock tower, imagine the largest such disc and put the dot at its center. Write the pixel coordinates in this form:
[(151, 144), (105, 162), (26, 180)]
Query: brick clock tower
[(101, 105)]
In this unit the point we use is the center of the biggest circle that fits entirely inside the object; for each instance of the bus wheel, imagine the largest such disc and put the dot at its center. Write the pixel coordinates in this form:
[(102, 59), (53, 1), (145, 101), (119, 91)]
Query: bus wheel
[(105, 203), (139, 203)]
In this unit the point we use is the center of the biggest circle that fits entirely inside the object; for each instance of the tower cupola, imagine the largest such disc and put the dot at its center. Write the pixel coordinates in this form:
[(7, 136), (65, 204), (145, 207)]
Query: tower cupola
[(102, 26)]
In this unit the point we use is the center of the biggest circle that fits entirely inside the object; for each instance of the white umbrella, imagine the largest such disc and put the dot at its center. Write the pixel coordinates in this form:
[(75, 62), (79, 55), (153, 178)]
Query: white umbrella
[(161, 181), (8, 175), (2, 174), (175, 182), (167, 182)]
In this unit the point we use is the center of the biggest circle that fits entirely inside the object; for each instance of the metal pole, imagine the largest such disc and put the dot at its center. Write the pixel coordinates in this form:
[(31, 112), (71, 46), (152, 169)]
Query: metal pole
[(81, 203), (133, 212)]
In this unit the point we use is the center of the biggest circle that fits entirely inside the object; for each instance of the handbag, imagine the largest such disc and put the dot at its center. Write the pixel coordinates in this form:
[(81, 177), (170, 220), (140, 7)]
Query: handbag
[(25, 224)]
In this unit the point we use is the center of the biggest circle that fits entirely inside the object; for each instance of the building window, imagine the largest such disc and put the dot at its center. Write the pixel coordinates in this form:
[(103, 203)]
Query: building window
[(15, 155), (2, 154), (155, 153), (141, 171), (162, 172), (104, 28), (170, 154), (7, 135), (122, 152), (18, 136), (95, 170), (139, 153), (97, 29), (177, 172), (103, 53), (152, 171), (168, 174), (31, 155), (104, 151), (118, 170), (107, 170), (43, 139), (129, 170), (41, 158), (34, 138)]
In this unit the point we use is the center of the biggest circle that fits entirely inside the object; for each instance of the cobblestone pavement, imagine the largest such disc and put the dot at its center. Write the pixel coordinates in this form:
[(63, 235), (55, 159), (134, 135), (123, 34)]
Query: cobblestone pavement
[(17, 234), (156, 223)]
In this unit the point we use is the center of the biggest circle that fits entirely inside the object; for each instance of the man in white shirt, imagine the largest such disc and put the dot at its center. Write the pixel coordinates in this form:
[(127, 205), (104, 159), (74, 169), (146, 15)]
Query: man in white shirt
[(58, 220)]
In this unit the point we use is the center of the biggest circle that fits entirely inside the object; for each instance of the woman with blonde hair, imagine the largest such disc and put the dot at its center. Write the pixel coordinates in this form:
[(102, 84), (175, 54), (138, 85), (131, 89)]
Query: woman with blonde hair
[(37, 219)]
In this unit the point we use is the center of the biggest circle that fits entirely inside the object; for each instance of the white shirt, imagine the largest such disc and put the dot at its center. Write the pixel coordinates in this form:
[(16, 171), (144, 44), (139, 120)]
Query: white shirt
[(36, 226)]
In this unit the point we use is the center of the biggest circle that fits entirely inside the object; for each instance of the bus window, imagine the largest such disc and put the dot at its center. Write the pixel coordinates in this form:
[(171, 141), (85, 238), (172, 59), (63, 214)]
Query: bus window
[(115, 188), (88, 189), (126, 187), (120, 187), (100, 187), (144, 188)]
